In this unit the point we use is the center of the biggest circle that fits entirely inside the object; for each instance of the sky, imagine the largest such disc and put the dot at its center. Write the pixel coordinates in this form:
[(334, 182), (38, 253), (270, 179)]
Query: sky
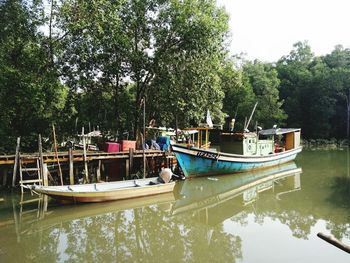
[(267, 29)]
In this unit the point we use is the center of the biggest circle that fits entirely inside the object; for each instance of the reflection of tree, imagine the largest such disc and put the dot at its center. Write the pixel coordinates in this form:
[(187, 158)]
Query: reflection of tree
[(151, 233), (339, 230), (145, 234), (340, 193), (298, 224)]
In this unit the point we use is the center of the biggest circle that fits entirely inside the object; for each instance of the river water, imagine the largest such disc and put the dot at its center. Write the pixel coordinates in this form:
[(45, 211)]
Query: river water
[(271, 215)]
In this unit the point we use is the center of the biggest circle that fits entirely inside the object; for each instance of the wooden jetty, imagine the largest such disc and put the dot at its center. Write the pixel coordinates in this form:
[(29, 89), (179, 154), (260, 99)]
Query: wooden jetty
[(78, 156), (70, 158)]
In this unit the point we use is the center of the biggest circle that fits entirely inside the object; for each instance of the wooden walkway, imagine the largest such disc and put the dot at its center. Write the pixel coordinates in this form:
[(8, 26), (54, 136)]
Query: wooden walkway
[(78, 156)]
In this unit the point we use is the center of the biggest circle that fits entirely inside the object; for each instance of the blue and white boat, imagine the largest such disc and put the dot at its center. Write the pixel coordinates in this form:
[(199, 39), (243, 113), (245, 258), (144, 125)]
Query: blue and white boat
[(239, 152)]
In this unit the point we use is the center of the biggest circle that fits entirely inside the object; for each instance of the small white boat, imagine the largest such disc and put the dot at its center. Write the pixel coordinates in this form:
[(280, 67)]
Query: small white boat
[(100, 192)]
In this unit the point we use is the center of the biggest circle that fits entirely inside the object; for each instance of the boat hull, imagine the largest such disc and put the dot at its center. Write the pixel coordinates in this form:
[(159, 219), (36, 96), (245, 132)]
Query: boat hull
[(198, 162), (103, 192)]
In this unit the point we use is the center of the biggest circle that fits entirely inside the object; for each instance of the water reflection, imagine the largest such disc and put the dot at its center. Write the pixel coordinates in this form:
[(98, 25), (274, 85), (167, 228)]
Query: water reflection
[(244, 188), (204, 220), (144, 229)]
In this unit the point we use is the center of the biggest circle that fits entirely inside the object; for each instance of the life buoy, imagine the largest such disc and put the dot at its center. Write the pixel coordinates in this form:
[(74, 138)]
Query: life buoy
[(249, 147)]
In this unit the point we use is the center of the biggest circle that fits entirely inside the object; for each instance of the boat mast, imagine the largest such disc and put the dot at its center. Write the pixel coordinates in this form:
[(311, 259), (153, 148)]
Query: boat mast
[(251, 115)]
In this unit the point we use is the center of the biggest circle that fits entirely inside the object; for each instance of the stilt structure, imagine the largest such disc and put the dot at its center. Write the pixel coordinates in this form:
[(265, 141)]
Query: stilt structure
[(34, 173)]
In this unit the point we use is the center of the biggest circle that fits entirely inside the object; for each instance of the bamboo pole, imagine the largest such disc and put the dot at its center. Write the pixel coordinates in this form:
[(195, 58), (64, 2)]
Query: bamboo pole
[(14, 174), (56, 154), (335, 242)]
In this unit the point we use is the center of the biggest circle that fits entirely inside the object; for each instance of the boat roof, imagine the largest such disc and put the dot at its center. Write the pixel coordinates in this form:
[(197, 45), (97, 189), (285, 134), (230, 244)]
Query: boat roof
[(279, 131)]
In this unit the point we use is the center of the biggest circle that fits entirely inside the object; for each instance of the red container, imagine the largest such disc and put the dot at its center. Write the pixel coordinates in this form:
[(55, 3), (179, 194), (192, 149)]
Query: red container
[(126, 145), (112, 147)]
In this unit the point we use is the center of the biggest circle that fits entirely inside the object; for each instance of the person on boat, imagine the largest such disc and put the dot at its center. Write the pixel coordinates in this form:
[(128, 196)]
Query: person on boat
[(232, 124)]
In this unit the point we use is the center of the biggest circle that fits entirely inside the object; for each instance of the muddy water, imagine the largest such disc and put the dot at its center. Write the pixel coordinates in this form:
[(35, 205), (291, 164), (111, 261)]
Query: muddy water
[(272, 215)]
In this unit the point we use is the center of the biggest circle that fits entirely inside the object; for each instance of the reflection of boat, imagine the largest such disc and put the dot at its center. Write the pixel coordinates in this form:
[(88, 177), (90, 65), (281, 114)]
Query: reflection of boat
[(239, 152), (106, 191), (54, 214), (201, 193), (59, 214)]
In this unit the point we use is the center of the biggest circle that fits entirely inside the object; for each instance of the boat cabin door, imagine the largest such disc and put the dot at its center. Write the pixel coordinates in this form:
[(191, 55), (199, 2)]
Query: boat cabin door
[(292, 140)]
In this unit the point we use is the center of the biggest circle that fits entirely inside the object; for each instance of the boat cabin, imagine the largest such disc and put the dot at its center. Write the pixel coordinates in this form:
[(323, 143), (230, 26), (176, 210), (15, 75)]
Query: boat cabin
[(263, 143)]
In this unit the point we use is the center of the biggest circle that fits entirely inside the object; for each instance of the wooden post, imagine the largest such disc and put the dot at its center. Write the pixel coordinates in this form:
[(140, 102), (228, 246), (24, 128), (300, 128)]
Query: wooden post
[(71, 167), (348, 112), (86, 170), (41, 159), (144, 137), (45, 174), (166, 160), (56, 153), (98, 171), (45, 203), (92, 172), (207, 138), (4, 179), (14, 174), (131, 160), (127, 169), (76, 172), (103, 170)]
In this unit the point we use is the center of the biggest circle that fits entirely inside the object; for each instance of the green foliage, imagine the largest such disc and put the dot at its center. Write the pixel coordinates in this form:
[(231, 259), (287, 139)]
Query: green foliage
[(239, 97), (30, 92), (314, 90), (95, 61), (264, 81), (167, 49)]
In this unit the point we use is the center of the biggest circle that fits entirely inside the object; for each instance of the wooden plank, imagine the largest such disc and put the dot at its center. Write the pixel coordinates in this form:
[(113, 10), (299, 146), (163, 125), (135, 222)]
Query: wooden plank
[(33, 169), (30, 181), (14, 174), (78, 156), (29, 201)]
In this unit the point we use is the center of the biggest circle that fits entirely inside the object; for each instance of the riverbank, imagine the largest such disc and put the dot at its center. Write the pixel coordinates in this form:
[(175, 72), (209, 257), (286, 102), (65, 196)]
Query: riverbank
[(326, 144)]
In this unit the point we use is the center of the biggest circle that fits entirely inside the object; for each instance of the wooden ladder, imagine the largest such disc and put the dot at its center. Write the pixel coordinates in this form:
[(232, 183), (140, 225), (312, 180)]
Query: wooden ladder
[(37, 170)]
